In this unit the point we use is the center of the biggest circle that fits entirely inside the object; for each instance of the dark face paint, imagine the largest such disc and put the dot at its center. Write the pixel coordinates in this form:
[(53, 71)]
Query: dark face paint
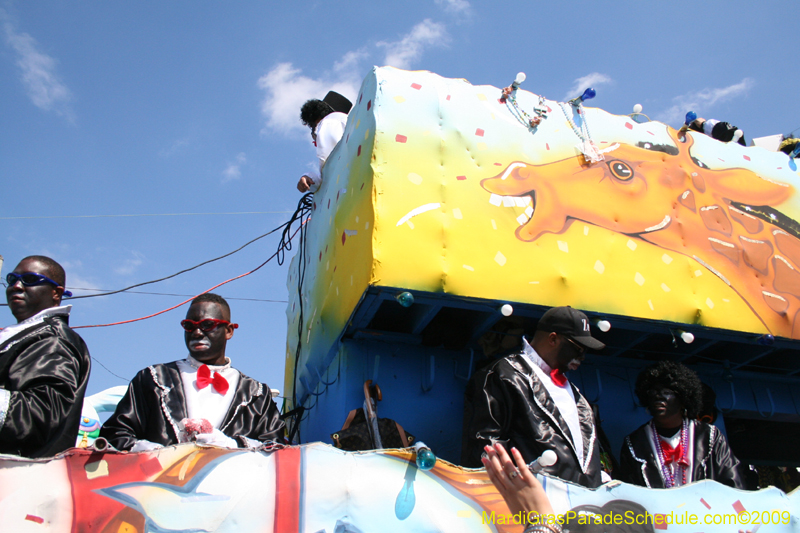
[(569, 355), (664, 405), (208, 347)]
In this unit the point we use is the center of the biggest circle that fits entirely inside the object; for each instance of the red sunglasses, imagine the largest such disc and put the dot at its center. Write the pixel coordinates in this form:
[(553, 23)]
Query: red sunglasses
[(206, 325)]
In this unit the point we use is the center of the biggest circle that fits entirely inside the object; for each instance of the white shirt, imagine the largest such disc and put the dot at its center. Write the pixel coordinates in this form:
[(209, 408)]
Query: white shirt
[(563, 397), (38, 318), (329, 132), (674, 441), (708, 126), (207, 402)]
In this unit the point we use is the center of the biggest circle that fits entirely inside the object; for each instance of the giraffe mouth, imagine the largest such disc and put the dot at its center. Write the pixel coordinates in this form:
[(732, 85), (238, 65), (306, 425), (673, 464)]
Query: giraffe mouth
[(526, 201)]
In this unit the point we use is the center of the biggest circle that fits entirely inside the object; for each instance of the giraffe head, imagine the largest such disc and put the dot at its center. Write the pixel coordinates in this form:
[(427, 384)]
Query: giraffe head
[(636, 190)]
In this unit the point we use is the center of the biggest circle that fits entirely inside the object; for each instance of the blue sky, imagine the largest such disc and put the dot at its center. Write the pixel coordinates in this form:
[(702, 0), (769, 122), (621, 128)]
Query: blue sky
[(177, 112)]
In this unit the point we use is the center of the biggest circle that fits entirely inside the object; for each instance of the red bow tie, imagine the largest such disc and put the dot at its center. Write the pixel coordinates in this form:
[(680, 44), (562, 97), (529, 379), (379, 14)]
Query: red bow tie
[(671, 454), (204, 379), (558, 377)]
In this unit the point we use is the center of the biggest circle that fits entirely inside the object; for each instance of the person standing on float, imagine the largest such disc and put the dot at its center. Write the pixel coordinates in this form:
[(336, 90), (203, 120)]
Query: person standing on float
[(673, 448)]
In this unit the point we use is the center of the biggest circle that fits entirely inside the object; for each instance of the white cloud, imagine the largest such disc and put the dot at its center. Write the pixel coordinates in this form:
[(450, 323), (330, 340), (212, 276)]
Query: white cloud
[(129, 266), (68, 265), (457, 7), (43, 85), (702, 101), (409, 48), (174, 147), (286, 88), (348, 66), (76, 280), (590, 80), (234, 171)]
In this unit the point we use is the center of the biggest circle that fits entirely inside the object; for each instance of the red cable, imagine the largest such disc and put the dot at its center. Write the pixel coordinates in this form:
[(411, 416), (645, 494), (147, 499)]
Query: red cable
[(193, 297), (165, 310)]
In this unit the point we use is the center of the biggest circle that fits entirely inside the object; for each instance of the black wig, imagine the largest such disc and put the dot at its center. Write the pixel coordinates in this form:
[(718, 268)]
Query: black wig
[(676, 377)]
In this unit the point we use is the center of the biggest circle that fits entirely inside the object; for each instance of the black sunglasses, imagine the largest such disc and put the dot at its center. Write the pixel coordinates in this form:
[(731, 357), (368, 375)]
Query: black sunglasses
[(581, 349)]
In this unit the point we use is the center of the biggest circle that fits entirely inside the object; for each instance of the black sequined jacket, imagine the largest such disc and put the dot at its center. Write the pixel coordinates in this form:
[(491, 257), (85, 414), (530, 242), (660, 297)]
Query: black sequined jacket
[(155, 404), (710, 455), (507, 403), (45, 368)]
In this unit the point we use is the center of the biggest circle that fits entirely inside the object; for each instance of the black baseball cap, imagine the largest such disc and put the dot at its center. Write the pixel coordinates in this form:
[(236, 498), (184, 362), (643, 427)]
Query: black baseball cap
[(572, 323)]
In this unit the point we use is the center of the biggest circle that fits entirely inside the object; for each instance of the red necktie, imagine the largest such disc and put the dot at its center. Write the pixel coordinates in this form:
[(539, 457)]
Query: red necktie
[(204, 379), (671, 454), (558, 377)]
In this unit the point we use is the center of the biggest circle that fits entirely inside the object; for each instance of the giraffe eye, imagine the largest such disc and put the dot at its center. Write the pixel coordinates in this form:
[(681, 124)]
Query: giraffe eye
[(620, 170)]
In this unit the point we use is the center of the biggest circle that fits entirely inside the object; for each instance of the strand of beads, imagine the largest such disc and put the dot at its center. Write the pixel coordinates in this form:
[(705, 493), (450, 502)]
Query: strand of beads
[(579, 132), (587, 147), (668, 473), (531, 122)]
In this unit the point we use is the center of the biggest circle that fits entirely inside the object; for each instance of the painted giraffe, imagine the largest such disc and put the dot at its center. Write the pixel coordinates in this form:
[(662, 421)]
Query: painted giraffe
[(661, 194)]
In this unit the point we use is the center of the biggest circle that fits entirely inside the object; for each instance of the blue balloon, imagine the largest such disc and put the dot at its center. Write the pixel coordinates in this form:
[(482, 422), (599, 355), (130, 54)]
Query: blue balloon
[(406, 299), (588, 94), (766, 340), (691, 116), (425, 459)]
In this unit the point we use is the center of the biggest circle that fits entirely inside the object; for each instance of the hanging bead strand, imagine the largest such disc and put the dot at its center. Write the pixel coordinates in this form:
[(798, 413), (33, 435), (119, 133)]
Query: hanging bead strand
[(667, 472)]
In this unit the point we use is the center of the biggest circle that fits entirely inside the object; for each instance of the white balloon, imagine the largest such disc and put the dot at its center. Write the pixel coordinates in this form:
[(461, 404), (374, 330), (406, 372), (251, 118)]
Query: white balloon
[(520, 78), (548, 458), (637, 108), (506, 310)]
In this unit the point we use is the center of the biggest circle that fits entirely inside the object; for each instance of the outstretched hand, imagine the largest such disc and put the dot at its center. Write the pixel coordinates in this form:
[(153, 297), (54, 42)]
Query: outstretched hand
[(519, 487)]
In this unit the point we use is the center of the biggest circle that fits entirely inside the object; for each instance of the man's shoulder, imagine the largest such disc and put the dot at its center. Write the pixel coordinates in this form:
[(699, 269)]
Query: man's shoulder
[(60, 325), (256, 387), (335, 121), (172, 365), (639, 434), (53, 334), (703, 430), (509, 365), (157, 369), (335, 117)]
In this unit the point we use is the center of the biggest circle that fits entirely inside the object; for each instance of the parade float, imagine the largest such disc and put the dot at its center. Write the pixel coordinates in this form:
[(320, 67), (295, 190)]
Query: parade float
[(451, 215), (446, 207)]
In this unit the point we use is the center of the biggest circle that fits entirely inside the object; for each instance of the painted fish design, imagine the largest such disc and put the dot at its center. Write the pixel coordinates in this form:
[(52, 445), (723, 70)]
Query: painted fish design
[(661, 194)]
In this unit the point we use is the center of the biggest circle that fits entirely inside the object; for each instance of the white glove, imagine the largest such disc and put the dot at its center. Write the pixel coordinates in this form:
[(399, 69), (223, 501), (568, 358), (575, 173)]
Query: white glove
[(145, 446), (252, 443), (217, 438)]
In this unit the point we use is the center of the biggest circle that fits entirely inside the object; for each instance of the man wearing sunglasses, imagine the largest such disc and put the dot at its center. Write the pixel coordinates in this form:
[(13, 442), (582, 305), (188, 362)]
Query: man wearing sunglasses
[(164, 401), (524, 400), (44, 365)]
